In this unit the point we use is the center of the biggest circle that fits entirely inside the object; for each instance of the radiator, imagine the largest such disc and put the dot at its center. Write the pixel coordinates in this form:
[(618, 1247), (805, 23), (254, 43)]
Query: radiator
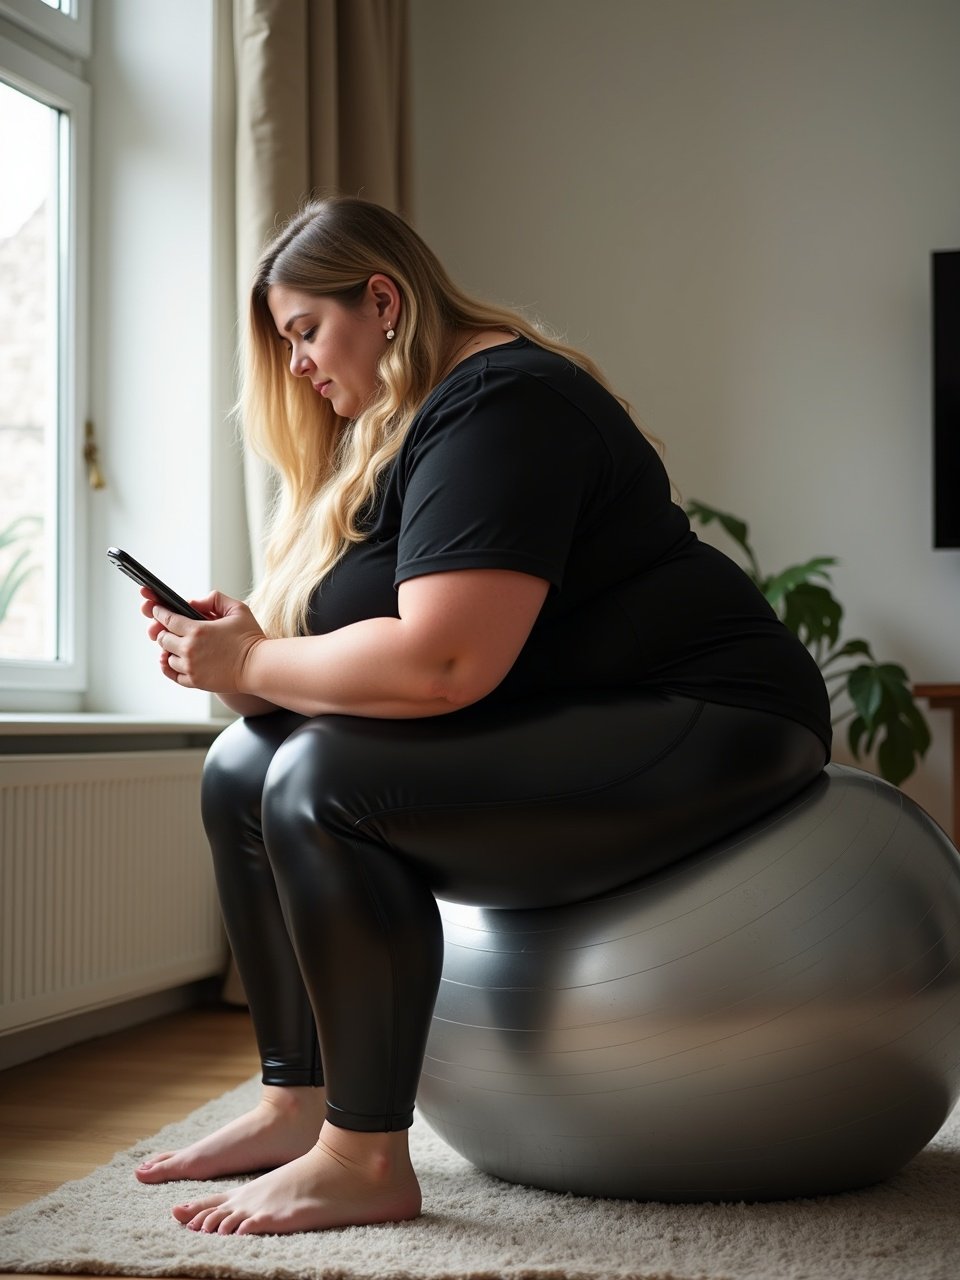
[(106, 888)]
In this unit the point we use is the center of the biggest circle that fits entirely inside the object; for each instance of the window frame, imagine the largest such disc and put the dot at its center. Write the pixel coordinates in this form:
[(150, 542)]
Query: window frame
[(70, 32), (49, 82)]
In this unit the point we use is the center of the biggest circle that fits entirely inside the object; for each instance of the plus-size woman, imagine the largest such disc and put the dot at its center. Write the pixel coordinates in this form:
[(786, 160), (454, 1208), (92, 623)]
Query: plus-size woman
[(488, 661)]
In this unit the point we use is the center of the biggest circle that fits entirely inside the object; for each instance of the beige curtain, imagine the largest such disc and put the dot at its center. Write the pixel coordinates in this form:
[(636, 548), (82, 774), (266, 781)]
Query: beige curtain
[(322, 108)]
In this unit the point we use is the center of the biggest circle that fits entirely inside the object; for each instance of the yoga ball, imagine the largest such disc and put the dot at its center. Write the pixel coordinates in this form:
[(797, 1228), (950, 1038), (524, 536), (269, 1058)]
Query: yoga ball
[(776, 1016)]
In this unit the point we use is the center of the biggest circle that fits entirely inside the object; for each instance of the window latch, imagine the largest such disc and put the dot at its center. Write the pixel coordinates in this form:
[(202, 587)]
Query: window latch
[(91, 458)]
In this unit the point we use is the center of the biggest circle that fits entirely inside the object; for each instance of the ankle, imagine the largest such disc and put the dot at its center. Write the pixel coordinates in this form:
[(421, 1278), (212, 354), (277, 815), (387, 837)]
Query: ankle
[(295, 1100), (381, 1156)]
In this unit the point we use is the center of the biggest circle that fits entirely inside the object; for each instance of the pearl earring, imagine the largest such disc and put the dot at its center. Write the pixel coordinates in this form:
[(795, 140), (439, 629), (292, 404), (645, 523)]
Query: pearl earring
[(391, 334)]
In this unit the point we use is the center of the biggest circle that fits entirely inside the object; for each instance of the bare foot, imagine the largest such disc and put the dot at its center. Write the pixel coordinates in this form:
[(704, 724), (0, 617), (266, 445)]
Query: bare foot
[(283, 1125), (347, 1180)]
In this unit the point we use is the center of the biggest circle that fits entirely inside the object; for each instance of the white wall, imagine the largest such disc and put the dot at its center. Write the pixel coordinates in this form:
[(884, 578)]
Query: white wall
[(732, 207), (162, 331)]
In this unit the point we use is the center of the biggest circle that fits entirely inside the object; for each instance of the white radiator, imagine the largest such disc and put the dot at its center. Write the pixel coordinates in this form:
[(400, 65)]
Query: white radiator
[(106, 887)]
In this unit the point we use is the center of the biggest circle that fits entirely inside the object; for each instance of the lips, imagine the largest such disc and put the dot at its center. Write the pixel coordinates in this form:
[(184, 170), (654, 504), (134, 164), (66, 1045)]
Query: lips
[(321, 387)]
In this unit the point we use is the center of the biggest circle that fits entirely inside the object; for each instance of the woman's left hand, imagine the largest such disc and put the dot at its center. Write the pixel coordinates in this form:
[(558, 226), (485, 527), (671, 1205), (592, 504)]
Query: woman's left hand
[(205, 655)]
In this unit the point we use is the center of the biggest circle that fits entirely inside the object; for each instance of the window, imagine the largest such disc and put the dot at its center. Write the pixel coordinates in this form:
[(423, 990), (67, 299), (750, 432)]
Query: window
[(65, 24), (44, 142)]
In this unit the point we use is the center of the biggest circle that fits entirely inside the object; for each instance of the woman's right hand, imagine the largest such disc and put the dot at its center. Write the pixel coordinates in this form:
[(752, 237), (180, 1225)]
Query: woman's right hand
[(215, 657)]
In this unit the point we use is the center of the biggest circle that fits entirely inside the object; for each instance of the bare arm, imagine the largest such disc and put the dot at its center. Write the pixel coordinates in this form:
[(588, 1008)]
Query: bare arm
[(457, 636)]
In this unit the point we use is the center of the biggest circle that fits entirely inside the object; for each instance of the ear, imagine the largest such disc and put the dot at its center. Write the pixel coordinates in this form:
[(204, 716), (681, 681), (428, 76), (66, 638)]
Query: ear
[(385, 296)]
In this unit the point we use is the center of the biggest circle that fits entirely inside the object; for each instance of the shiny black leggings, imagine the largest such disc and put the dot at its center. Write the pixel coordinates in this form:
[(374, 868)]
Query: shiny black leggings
[(332, 835)]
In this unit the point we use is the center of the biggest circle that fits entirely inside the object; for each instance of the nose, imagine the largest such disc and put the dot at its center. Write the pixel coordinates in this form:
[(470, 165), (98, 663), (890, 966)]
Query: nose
[(300, 363)]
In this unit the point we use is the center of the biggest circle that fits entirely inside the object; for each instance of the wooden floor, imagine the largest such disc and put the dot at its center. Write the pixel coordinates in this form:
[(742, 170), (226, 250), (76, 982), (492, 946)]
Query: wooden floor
[(63, 1115)]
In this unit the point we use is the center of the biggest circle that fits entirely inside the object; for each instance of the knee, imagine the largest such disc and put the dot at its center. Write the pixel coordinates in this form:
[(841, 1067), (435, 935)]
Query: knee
[(309, 786), (234, 770)]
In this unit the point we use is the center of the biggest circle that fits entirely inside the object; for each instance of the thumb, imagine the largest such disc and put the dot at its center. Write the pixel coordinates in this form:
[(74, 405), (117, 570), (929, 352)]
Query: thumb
[(216, 605)]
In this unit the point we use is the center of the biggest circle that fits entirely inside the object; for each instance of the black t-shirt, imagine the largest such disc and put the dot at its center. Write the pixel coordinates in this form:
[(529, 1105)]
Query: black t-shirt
[(521, 460)]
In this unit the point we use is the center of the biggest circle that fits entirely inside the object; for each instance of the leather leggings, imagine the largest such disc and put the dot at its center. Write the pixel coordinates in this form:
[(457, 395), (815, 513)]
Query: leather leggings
[(332, 835)]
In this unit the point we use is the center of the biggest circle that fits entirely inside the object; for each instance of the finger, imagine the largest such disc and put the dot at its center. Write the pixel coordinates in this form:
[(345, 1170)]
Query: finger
[(212, 605), (175, 670), (171, 621), (218, 605), (171, 659), (168, 672)]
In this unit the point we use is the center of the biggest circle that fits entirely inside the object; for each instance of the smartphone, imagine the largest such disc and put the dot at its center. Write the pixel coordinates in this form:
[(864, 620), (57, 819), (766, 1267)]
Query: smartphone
[(135, 570)]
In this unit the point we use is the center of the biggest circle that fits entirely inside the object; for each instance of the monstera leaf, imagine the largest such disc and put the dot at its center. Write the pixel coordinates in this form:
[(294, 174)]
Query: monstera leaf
[(880, 693), (881, 709)]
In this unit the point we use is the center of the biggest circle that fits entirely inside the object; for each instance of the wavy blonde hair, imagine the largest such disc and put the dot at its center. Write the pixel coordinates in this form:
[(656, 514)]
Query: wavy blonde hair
[(328, 467)]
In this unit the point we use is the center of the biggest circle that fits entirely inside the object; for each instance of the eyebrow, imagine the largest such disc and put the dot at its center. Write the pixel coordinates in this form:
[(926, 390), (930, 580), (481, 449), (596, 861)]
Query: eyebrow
[(293, 320)]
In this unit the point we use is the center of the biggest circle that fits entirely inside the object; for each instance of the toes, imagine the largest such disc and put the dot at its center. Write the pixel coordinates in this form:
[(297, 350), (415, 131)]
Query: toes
[(193, 1213), (214, 1217), (163, 1155), (152, 1170), (170, 1167), (254, 1226), (198, 1222), (230, 1223)]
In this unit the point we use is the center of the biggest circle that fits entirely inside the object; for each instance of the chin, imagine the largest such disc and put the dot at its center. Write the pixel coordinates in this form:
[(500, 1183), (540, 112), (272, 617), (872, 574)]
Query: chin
[(343, 407)]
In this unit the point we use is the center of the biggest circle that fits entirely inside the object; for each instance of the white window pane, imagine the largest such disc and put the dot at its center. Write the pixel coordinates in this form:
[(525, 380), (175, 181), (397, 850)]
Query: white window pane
[(30, 135)]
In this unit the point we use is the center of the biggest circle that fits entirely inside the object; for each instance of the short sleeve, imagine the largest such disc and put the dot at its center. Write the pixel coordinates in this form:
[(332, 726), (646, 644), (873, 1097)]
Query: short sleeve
[(495, 474)]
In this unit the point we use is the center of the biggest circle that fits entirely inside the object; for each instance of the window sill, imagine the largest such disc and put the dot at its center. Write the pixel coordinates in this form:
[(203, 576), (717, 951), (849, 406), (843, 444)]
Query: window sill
[(29, 733)]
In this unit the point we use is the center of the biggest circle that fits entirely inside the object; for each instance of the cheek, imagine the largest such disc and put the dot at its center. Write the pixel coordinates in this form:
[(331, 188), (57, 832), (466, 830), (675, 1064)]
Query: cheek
[(365, 364)]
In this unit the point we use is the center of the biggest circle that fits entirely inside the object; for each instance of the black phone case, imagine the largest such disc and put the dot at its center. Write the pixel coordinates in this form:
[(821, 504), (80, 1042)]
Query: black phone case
[(166, 595)]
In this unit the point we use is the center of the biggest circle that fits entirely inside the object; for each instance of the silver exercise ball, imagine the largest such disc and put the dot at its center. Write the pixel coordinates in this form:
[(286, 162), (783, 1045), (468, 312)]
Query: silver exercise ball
[(776, 1016)]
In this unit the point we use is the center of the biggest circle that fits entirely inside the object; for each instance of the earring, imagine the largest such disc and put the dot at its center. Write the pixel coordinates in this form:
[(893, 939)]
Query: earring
[(391, 334)]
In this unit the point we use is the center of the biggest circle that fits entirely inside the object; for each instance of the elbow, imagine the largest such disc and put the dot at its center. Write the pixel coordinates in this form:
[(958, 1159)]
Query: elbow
[(459, 684)]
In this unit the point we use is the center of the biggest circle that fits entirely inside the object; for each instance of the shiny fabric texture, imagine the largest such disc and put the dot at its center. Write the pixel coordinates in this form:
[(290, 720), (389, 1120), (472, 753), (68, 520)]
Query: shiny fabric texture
[(333, 836)]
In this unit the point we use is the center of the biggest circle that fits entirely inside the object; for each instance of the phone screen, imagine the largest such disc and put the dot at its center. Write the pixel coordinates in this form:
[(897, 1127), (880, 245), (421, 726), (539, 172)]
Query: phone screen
[(165, 595)]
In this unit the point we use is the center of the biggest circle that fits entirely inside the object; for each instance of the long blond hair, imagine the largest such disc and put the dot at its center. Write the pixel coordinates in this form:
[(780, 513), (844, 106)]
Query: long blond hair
[(328, 467)]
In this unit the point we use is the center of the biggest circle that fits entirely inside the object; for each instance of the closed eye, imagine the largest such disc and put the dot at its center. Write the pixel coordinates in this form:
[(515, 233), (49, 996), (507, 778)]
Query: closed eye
[(309, 335)]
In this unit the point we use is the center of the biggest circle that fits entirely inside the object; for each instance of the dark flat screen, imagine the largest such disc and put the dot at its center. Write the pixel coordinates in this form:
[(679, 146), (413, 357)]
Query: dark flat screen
[(946, 398)]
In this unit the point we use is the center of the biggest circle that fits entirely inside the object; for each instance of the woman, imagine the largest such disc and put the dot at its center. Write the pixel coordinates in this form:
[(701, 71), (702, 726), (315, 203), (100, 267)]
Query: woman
[(489, 660)]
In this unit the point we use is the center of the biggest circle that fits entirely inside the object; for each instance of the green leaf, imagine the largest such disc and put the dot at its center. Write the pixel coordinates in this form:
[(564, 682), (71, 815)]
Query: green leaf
[(887, 714), (777, 587), (892, 673), (895, 757), (15, 531), (855, 736), (13, 580), (884, 712), (851, 649), (865, 687), (732, 525), (812, 614)]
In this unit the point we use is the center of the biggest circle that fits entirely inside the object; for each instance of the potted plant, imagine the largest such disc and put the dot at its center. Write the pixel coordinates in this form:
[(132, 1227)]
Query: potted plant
[(875, 697), (14, 575)]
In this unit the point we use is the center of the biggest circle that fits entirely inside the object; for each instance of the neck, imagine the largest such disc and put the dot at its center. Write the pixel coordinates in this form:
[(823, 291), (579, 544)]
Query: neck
[(466, 342), (460, 346)]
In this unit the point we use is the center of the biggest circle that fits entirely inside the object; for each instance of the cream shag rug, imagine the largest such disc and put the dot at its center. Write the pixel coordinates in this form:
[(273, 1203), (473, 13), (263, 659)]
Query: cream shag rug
[(475, 1226)]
